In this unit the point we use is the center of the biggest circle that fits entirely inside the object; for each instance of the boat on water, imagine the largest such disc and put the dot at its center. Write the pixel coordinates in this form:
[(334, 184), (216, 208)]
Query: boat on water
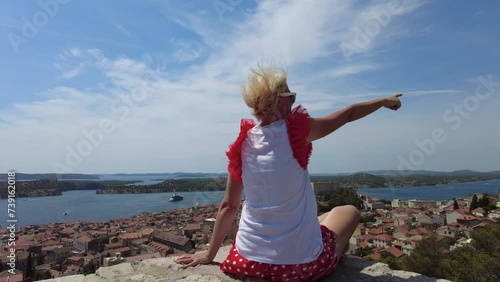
[(175, 198)]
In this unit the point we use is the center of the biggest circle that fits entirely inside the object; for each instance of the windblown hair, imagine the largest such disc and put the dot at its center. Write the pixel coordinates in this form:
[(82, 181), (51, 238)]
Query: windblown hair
[(261, 91)]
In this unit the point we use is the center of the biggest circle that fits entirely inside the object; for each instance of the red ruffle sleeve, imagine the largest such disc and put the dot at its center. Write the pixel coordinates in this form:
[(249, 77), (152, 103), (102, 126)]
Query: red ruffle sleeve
[(234, 152), (299, 125)]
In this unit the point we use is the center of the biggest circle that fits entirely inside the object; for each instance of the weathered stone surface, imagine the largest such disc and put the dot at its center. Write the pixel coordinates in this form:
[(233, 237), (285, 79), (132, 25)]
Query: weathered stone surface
[(118, 270), (75, 278), (166, 270)]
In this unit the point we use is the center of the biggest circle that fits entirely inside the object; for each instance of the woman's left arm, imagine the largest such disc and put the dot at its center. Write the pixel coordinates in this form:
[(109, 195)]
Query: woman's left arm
[(225, 217)]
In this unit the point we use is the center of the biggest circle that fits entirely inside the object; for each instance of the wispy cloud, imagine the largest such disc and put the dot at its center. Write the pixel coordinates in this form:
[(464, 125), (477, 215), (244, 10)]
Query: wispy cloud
[(351, 70), (431, 92), (121, 28), (70, 63), (95, 40), (187, 50)]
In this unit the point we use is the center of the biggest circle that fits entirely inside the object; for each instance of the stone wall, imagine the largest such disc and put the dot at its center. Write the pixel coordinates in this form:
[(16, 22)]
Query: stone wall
[(166, 270)]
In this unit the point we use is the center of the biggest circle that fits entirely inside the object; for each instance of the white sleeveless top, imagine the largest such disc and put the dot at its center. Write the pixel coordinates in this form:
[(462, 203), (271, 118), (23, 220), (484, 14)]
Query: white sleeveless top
[(279, 223)]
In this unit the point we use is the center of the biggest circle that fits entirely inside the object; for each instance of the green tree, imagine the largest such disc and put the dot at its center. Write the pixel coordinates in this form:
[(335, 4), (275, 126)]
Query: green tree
[(473, 204), (391, 260), (455, 204), (369, 218), (477, 262), (42, 275), (362, 252), (487, 239), (424, 258), (491, 207), (345, 196), (29, 266), (467, 264), (484, 201), (326, 197)]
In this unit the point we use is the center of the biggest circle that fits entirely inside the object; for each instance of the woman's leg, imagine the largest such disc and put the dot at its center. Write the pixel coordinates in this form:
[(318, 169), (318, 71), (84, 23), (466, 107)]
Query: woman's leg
[(323, 216), (342, 221)]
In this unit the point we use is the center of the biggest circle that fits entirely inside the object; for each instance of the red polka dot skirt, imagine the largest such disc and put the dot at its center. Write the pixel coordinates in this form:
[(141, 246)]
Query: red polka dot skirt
[(322, 266)]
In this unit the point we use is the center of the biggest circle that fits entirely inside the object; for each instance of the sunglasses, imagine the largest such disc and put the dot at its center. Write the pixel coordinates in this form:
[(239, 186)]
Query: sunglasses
[(289, 94)]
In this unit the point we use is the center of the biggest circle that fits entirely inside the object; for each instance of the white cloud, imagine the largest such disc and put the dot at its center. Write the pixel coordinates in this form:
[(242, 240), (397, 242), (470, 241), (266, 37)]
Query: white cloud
[(172, 119)]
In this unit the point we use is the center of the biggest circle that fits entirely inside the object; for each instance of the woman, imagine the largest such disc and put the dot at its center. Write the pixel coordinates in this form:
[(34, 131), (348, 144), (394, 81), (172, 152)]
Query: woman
[(280, 236)]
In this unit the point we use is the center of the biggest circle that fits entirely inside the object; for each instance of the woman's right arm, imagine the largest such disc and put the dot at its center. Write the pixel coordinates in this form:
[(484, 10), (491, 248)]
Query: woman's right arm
[(323, 126)]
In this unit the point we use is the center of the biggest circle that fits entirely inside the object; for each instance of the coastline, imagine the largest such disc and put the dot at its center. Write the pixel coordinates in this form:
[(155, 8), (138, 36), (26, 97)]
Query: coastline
[(88, 206), (54, 187)]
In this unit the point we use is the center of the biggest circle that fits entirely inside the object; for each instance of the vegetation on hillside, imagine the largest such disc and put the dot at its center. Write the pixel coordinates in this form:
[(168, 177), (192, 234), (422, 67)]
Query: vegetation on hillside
[(54, 187), (478, 262), (339, 198), (170, 185)]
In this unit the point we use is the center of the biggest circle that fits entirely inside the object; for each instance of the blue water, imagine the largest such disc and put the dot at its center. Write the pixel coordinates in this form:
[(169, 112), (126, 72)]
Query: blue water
[(87, 205), (438, 192)]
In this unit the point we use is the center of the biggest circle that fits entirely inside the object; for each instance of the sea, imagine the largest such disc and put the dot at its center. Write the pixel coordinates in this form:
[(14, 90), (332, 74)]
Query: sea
[(86, 205)]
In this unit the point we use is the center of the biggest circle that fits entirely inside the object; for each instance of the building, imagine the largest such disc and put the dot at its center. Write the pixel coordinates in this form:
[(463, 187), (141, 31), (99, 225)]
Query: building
[(451, 216), (174, 241), (396, 203), (162, 249), (84, 243), (382, 241), (325, 187), (415, 203), (495, 214), (207, 225), (112, 246), (190, 229), (468, 220), (374, 205), (113, 260), (479, 212), (403, 220), (57, 255), (127, 238), (450, 231)]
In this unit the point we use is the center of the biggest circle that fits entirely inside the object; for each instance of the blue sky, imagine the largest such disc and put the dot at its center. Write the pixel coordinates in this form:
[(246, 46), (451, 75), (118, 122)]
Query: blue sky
[(154, 86)]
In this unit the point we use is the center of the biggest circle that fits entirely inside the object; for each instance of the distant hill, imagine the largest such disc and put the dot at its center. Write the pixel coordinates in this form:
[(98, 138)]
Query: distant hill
[(37, 176), (464, 172), (394, 179), (189, 175), (80, 176)]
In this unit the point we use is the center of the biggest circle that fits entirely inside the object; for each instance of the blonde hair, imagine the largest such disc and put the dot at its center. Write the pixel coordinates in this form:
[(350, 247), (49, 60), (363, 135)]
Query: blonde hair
[(261, 91)]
